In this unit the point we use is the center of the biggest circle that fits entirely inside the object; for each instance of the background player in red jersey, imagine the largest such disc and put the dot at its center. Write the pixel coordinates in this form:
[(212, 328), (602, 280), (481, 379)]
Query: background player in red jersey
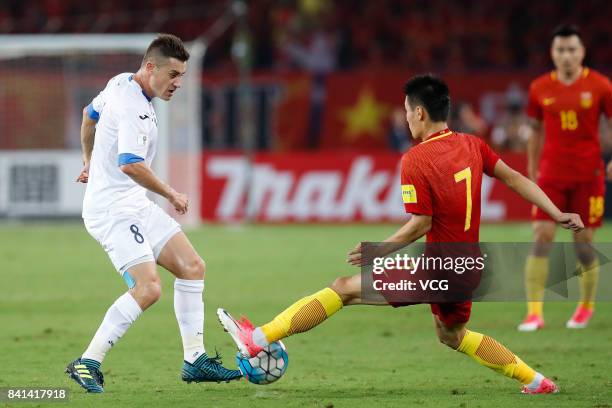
[(564, 157), (441, 181)]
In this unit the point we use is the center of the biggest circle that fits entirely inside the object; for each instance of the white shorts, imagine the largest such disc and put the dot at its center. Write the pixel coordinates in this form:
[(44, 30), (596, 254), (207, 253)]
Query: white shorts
[(130, 238)]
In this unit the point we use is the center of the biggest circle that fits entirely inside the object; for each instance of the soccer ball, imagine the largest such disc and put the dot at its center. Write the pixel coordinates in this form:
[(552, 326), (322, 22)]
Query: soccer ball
[(267, 366)]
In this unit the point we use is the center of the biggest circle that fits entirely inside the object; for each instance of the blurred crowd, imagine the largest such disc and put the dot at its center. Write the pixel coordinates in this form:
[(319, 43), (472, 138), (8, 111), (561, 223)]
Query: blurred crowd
[(325, 36), (506, 131), (342, 34)]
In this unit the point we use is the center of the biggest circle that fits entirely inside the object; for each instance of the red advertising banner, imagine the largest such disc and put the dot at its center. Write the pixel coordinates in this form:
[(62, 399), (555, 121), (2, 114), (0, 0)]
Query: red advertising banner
[(326, 187)]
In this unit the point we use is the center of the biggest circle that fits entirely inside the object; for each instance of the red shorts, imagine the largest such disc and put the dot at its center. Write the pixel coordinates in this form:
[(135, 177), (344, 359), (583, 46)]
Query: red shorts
[(452, 313), (448, 313), (585, 198)]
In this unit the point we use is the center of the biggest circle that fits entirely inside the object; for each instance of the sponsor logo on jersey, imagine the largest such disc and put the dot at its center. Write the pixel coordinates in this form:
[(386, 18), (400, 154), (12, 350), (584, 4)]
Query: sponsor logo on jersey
[(548, 101), (586, 100), (409, 195), (143, 117)]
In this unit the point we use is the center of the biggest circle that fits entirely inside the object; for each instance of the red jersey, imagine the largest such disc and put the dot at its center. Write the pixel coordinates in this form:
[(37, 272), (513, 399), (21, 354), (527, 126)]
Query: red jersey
[(441, 177), (570, 114)]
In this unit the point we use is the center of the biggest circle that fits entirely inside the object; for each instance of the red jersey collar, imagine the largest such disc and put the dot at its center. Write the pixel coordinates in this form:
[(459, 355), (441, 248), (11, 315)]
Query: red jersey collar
[(438, 135), (583, 74)]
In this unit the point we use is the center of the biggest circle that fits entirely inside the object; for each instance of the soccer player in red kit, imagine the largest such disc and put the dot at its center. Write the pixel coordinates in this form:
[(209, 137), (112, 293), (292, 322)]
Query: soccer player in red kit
[(564, 157), (441, 182)]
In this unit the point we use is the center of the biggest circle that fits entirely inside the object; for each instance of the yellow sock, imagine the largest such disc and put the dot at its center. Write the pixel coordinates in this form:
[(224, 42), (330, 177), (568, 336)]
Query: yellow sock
[(536, 274), (303, 315), (494, 355), (589, 276)]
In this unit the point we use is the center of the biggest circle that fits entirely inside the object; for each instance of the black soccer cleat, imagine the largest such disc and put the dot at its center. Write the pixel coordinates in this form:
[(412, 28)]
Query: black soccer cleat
[(208, 369), (88, 376)]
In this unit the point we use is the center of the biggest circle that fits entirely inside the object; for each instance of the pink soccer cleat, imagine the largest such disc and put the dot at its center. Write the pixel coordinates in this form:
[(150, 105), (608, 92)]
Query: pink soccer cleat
[(580, 319), (546, 387), (532, 322), (241, 332)]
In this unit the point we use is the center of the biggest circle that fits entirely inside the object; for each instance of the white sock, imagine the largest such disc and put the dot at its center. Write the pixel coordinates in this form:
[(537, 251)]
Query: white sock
[(260, 338), (189, 311), (117, 320), (536, 382)]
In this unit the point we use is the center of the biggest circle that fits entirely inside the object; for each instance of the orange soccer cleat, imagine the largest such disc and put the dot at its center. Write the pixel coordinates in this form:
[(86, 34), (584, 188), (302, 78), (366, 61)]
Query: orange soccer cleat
[(547, 386), (580, 319), (532, 322), (241, 332)]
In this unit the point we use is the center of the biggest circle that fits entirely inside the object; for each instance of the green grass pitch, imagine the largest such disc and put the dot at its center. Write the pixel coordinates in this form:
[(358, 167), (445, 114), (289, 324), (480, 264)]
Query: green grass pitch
[(57, 284)]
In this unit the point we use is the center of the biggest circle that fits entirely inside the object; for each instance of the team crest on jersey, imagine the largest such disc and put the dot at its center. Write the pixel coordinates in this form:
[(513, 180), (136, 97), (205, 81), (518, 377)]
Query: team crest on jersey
[(586, 100), (409, 195), (142, 139)]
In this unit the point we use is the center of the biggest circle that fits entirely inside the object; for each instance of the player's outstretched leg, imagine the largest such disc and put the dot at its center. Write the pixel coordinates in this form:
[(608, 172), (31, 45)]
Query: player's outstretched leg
[(488, 352), (300, 317), (180, 258), (588, 269), (118, 319), (536, 275)]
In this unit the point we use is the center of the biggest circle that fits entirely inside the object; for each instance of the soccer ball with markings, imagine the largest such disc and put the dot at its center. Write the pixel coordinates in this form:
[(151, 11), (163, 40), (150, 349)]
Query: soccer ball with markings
[(266, 367)]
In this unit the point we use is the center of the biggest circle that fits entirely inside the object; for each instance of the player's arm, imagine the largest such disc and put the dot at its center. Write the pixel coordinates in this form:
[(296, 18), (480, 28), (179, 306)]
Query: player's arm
[(88, 129), (417, 198), (133, 143), (534, 194), (144, 176), (534, 147), (417, 226)]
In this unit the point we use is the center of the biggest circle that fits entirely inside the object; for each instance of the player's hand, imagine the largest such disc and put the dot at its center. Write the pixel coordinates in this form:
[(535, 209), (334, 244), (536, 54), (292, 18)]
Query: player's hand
[(354, 256), (609, 170), (362, 255), (179, 201), (571, 221), (84, 175)]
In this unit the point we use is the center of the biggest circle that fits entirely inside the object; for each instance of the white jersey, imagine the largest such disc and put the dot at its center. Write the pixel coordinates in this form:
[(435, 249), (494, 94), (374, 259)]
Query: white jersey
[(126, 133)]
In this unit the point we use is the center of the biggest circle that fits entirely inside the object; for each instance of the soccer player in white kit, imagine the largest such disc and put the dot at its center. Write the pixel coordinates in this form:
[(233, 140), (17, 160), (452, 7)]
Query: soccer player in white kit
[(134, 231)]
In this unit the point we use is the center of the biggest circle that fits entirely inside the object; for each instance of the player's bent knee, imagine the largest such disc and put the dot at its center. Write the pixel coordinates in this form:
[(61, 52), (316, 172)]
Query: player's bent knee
[(154, 291), (451, 339), (195, 269), (543, 238), (150, 291), (342, 287), (337, 285), (583, 241), (585, 253)]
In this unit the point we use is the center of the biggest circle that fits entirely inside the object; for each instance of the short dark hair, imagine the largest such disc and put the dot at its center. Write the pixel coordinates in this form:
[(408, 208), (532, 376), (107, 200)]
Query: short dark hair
[(168, 46), (565, 30), (432, 93)]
